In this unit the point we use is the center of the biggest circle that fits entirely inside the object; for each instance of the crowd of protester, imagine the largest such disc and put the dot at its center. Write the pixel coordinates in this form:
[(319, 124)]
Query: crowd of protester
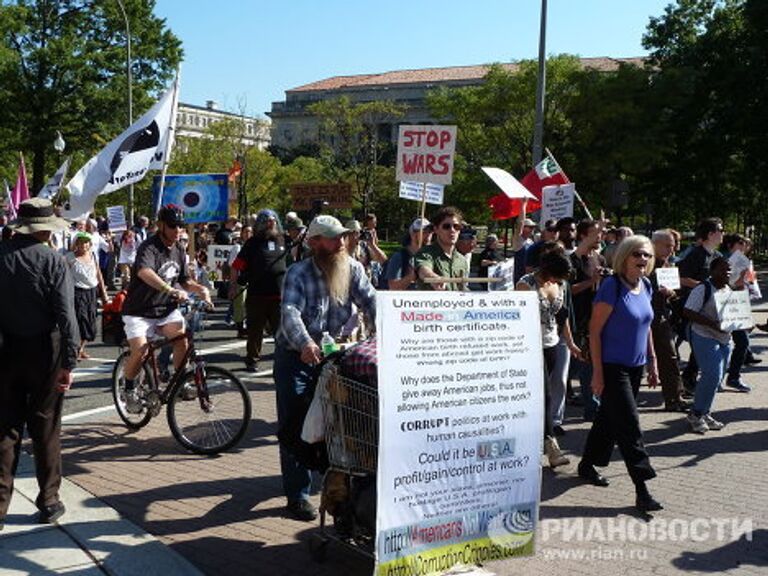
[(605, 319)]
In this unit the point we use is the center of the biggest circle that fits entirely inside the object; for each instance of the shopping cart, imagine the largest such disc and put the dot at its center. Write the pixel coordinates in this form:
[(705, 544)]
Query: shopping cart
[(351, 421)]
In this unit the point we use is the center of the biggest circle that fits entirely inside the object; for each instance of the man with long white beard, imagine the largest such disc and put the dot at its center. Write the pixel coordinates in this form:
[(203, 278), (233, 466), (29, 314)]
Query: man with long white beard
[(318, 294)]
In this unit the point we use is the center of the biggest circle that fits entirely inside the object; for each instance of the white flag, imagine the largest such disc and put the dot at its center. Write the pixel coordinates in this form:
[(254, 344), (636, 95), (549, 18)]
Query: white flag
[(125, 160), (54, 184)]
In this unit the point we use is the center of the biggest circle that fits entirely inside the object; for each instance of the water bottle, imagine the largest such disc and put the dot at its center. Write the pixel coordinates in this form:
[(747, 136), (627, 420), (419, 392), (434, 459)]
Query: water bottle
[(327, 344)]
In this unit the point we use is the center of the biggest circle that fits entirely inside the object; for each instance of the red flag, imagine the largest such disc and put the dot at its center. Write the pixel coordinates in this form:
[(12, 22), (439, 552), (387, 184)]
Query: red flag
[(21, 190), (234, 171), (501, 207)]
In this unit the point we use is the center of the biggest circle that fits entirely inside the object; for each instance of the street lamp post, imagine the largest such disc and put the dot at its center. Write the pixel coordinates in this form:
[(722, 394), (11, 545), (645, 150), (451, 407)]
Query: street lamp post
[(129, 74), (541, 82)]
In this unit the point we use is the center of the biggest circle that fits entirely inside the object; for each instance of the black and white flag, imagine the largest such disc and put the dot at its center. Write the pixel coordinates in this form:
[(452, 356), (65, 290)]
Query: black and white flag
[(127, 159)]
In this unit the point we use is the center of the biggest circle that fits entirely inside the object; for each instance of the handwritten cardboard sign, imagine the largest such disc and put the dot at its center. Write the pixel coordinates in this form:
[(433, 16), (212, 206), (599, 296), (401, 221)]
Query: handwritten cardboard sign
[(734, 310), (668, 277), (425, 154)]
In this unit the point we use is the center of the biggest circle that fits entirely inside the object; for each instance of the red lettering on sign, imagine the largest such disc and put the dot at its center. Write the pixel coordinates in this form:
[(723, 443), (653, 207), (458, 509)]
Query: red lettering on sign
[(444, 162)]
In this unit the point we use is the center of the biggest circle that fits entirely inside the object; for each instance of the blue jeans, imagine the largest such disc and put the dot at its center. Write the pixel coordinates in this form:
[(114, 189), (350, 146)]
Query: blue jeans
[(292, 377), (713, 357)]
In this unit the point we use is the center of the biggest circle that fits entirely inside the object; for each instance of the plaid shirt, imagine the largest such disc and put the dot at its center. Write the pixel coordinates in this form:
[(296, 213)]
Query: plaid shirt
[(307, 309)]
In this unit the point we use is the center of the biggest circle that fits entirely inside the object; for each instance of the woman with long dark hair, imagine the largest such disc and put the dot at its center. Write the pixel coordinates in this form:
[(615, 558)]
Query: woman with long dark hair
[(550, 283)]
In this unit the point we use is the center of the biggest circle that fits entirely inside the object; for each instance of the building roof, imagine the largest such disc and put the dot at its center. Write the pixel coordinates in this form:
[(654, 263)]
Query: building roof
[(436, 75)]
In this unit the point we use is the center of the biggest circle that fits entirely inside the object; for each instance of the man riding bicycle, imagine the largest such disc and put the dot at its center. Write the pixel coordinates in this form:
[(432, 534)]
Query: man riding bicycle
[(152, 303)]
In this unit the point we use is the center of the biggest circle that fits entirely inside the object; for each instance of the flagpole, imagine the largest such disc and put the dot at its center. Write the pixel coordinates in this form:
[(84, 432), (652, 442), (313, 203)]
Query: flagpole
[(171, 137), (568, 181)]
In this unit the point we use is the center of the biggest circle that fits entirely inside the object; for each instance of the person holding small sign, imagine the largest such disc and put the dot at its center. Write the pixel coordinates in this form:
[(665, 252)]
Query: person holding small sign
[(661, 327), (711, 344), (441, 259)]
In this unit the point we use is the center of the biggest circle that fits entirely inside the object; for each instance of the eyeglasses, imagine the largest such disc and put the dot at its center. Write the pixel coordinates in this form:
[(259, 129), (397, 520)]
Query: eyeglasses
[(640, 254), (449, 226)]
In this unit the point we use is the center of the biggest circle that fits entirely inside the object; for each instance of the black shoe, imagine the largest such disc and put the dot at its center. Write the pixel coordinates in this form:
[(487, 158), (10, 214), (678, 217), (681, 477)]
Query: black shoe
[(753, 360), (251, 366), (677, 406), (687, 394), (558, 431), (49, 514), (587, 472), (302, 510), (647, 503)]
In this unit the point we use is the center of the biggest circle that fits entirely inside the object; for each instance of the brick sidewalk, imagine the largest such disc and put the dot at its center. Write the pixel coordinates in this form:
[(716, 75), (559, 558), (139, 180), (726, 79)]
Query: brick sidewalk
[(225, 514)]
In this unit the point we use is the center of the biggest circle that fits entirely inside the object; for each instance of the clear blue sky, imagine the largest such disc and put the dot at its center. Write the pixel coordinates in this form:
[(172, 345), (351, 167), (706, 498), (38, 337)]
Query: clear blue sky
[(251, 51)]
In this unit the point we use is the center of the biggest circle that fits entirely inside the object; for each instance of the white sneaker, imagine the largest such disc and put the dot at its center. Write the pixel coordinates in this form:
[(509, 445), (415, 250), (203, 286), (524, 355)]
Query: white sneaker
[(698, 424), (711, 423), (133, 404)]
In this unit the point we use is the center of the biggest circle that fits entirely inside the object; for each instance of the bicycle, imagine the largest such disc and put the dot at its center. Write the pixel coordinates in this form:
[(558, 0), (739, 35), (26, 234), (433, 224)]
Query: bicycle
[(208, 407)]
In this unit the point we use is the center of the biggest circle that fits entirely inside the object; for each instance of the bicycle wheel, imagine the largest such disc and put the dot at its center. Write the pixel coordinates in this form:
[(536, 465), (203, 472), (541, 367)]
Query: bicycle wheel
[(140, 419), (212, 417)]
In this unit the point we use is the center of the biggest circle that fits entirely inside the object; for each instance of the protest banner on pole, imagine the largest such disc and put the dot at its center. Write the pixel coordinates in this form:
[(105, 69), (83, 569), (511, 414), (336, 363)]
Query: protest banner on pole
[(460, 428), (734, 310), (116, 218), (413, 191), (668, 277), (202, 197), (218, 255), (425, 154), (336, 194), (557, 201)]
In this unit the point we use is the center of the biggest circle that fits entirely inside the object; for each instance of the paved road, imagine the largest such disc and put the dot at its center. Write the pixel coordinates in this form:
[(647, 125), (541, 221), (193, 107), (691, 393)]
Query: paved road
[(225, 514)]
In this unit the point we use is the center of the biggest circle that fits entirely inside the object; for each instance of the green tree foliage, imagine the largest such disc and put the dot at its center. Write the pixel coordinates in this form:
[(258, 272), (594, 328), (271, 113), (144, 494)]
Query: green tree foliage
[(707, 56), (63, 67), (260, 180), (351, 143), (495, 125)]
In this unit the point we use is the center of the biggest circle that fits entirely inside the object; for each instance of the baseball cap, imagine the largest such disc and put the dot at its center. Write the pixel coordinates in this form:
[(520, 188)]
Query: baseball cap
[(325, 226), (529, 222), (467, 234), (293, 222), (419, 224), (171, 215), (353, 226)]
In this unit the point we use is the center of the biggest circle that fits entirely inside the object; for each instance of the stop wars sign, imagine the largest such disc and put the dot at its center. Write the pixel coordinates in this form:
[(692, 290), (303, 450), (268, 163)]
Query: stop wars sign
[(425, 153)]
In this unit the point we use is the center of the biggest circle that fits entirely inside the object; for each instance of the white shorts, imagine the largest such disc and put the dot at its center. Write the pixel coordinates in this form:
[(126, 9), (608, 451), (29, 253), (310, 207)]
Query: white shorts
[(136, 326)]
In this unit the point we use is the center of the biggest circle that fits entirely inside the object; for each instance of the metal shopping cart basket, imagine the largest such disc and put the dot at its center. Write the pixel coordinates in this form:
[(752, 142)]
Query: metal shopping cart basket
[(351, 421)]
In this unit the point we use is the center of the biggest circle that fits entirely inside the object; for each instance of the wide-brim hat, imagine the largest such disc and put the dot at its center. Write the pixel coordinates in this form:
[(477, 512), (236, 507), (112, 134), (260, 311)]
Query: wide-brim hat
[(37, 215)]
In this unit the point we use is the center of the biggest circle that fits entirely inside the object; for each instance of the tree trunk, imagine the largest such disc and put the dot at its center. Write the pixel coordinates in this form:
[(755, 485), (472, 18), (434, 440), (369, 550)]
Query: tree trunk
[(38, 169)]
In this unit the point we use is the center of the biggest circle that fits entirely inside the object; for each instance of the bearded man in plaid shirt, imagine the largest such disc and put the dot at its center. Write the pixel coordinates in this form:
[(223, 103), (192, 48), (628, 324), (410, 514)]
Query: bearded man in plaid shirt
[(318, 294)]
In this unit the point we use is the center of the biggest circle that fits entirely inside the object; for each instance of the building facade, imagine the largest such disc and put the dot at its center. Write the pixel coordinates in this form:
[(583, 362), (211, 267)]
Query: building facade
[(293, 125), (192, 121)]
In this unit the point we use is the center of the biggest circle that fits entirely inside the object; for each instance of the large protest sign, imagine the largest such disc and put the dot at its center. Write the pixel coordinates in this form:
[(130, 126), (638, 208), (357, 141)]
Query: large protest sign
[(336, 194), (734, 310), (116, 218), (557, 201), (425, 154), (415, 191), (460, 428), (218, 256), (202, 197)]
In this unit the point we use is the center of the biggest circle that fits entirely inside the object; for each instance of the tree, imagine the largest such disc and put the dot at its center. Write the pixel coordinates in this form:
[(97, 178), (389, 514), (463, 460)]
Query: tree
[(62, 67), (350, 141), (495, 125)]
